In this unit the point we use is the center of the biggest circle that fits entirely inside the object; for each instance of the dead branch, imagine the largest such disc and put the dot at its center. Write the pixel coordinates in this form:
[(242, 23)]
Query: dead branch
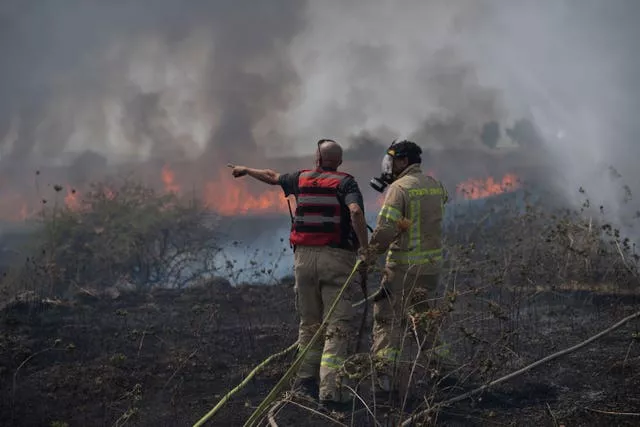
[(626, 414), (316, 412), (271, 416), (521, 371)]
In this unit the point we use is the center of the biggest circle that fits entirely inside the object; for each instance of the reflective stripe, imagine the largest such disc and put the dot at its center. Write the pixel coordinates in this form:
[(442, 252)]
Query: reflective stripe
[(390, 213), (317, 219), (331, 361), (414, 255), (318, 200), (327, 175), (389, 353), (414, 230)]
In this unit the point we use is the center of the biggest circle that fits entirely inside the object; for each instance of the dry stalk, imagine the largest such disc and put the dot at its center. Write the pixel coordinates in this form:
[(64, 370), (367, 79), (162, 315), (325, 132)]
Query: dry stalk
[(24, 362), (271, 416), (626, 414), (179, 368), (553, 417), (316, 412), (364, 403), (519, 372)]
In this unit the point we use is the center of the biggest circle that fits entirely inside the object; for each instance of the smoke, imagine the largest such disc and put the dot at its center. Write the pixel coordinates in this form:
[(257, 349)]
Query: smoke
[(560, 77), (220, 81), (144, 78), (570, 67)]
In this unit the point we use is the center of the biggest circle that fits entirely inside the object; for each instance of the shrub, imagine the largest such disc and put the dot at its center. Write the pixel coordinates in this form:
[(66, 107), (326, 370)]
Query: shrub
[(120, 232)]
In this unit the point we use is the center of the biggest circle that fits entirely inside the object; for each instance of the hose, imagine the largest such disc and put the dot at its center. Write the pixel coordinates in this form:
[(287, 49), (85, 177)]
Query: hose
[(259, 411), (294, 366), (244, 382)]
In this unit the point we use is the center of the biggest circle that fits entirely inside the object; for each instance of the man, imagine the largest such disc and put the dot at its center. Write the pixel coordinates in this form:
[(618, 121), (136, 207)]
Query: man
[(328, 229), (409, 227)]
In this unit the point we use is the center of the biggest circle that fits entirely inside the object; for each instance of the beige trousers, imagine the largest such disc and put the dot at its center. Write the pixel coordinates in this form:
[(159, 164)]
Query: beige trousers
[(320, 272), (394, 343)]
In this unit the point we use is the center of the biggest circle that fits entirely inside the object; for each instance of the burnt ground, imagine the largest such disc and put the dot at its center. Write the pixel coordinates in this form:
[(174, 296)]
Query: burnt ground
[(166, 357)]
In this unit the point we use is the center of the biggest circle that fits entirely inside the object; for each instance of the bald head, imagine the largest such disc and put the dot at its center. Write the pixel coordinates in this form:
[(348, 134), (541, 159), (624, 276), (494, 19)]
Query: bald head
[(330, 154)]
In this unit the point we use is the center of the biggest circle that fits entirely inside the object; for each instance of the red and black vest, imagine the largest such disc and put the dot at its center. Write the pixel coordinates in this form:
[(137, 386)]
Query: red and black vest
[(321, 219)]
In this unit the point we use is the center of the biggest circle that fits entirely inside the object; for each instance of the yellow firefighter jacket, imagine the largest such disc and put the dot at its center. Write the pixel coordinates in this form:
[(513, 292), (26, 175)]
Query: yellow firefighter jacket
[(420, 199)]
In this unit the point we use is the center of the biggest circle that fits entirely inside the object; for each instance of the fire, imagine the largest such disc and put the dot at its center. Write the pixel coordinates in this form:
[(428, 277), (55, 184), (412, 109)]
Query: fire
[(479, 188), (24, 212), (235, 196), (72, 199), (231, 196), (168, 178), (109, 194)]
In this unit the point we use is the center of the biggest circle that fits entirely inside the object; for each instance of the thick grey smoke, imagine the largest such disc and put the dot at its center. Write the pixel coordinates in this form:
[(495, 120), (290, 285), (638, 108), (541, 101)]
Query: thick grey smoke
[(147, 76), (214, 79), (564, 72)]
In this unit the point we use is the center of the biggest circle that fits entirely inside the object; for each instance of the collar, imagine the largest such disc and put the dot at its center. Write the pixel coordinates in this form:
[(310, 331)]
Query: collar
[(413, 169)]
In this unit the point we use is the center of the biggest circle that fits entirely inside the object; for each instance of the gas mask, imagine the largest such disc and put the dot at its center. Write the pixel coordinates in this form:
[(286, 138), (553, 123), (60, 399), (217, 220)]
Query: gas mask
[(386, 177)]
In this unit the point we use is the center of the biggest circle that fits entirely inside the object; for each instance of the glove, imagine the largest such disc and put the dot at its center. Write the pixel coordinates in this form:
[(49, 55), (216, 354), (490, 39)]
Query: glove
[(367, 258)]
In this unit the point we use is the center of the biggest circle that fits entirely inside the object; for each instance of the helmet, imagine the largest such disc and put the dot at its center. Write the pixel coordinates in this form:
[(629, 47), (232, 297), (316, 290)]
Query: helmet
[(400, 149), (405, 148)]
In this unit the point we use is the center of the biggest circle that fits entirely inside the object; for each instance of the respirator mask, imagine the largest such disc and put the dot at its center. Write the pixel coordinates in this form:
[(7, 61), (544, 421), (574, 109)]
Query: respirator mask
[(386, 177)]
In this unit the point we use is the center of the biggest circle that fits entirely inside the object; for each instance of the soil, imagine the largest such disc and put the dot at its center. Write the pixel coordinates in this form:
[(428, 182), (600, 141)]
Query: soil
[(166, 357)]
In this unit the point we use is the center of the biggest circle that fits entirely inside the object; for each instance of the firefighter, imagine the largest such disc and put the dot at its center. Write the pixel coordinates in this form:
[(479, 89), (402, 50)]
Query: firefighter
[(409, 230), (327, 232)]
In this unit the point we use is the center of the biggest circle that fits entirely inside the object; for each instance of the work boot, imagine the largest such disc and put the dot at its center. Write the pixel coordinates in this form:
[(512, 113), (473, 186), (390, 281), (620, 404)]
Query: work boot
[(338, 400), (306, 387), (336, 406), (385, 394)]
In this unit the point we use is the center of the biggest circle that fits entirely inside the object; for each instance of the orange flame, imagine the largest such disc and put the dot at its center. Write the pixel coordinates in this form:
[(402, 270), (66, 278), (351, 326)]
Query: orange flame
[(72, 199), (234, 196), (478, 188), (168, 178), (231, 196), (109, 193), (24, 212)]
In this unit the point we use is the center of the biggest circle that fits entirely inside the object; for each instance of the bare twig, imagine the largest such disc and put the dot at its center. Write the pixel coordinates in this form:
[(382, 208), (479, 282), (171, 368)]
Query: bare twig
[(624, 260), (521, 371), (24, 362), (182, 365), (626, 414), (364, 403), (271, 416), (144, 333), (553, 417), (315, 412)]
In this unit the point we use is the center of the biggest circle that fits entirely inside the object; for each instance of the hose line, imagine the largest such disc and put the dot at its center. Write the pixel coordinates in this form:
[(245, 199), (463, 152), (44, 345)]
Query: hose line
[(261, 409), (244, 382)]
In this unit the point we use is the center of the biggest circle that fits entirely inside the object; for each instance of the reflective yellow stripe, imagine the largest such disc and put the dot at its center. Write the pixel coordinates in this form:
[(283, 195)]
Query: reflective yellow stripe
[(331, 361), (416, 257), (414, 231), (389, 353), (390, 213)]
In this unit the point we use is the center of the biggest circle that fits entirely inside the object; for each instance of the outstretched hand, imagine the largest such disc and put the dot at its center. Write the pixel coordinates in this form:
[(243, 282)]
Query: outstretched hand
[(237, 171)]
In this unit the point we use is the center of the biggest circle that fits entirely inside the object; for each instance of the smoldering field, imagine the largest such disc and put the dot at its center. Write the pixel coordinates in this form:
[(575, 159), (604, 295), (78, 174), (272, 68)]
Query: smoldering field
[(113, 312)]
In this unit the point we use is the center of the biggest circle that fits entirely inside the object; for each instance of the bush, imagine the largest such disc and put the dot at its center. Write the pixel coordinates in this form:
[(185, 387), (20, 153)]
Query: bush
[(119, 233)]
